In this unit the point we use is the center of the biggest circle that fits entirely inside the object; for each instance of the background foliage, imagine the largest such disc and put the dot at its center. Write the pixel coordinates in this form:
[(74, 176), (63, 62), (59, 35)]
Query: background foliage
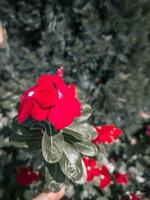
[(104, 47)]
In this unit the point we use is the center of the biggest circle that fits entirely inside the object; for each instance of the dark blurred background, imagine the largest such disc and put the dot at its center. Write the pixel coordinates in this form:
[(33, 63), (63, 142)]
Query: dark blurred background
[(104, 46)]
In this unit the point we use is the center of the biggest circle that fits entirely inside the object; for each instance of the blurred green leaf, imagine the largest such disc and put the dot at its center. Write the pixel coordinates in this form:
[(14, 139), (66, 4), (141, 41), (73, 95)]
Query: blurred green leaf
[(42, 126), (19, 144), (51, 184), (25, 136), (86, 111), (56, 172)]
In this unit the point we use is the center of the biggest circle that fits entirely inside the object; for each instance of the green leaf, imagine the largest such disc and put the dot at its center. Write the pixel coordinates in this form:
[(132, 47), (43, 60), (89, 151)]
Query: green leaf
[(82, 132), (29, 122), (48, 178), (70, 139), (87, 148), (25, 136), (19, 144), (83, 179), (51, 184), (37, 126), (25, 131), (71, 163), (52, 147), (56, 172), (86, 111), (46, 127), (22, 142), (3, 142)]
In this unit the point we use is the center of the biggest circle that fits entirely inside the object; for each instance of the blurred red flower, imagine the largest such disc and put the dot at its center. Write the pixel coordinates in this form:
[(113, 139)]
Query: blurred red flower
[(91, 168), (105, 177), (121, 178), (50, 99), (25, 176), (131, 196), (107, 133), (148, 130), (134, 197)]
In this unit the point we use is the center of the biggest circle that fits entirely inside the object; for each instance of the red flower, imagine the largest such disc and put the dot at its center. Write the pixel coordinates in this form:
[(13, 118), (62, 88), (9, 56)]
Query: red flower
[(134, 197), (148, 131), (105, 177), (50, 99), (26, 176), (121, 178), (131, 196), (91, 168), (106, 133)]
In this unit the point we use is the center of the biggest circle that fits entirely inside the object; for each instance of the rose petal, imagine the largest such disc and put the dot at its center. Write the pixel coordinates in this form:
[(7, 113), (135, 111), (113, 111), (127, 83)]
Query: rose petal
[(64, 112), (24, 109), (59, 118), (72, 89), (60, 84), (75, 107), (60, 71), (26, 94), (45, 82), (38, 113), (46, 98)]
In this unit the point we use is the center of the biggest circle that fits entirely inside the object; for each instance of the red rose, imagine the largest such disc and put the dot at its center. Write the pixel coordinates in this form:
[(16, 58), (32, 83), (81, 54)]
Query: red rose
[(91, 168), (26, 176), (105, 177), (50, 99), (121, 178), (107, 133)]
